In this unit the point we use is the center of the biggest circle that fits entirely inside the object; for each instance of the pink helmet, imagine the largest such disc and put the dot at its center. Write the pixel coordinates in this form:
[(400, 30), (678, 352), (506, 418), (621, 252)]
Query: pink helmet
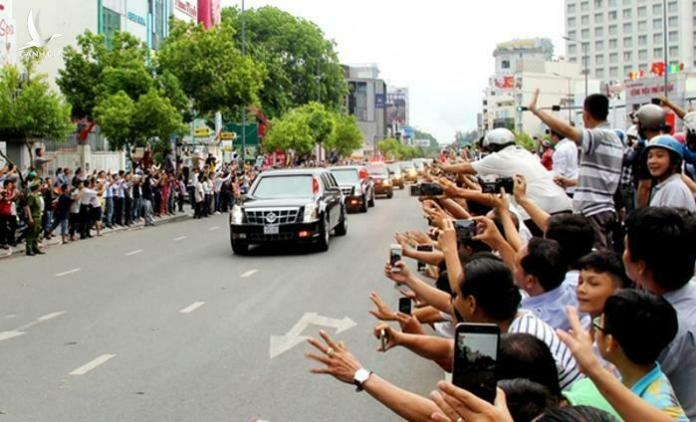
[(680, 137)]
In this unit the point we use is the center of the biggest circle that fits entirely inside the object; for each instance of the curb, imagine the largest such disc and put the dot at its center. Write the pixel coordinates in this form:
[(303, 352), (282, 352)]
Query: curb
[(20, 249)]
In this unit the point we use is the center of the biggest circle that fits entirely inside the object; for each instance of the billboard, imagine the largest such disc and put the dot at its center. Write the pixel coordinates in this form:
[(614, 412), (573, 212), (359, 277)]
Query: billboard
[(396, 109), (8, 33), (185, 10)]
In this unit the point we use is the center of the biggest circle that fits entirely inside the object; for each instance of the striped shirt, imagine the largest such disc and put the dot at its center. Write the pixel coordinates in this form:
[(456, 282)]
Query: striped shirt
[(600, 171), (528, 323)]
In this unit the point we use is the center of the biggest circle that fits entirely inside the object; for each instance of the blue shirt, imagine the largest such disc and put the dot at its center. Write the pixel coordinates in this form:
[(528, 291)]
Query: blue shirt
[(655, 389), (550, 306)]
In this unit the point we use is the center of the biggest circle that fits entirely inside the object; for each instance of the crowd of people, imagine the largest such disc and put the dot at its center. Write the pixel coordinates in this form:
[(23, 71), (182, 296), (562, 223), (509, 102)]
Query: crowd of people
[(35, 205), (585, 266)]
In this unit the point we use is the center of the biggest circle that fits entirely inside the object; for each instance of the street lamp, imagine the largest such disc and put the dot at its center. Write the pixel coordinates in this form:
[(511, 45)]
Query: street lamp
[(570, 94), (585, 59)]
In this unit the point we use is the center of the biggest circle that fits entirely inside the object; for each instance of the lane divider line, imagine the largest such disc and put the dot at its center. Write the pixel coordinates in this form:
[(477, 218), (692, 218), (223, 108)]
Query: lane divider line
[(64, 273), (93, 364), (212, 229), (249, 273), (180, 238), (192, 307), (135, 252)]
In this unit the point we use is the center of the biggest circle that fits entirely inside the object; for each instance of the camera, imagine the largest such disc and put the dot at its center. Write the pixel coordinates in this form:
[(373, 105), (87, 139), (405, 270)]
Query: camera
[(466, 229), (507, 183), (395, 253), (423, 248), (426, 189)]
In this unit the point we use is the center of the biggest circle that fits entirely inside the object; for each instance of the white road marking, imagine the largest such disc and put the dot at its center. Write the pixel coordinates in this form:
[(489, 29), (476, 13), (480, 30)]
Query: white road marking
[(6, 335), (41, 319), (91, 365), (212, 229), (10, 316), (180, 238), (281, 344), (249, 273), (192, 307), (64, 273), (135, 252)]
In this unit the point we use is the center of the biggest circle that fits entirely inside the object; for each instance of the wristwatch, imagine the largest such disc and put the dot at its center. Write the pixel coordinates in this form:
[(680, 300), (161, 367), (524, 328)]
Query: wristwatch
[(361, 376)]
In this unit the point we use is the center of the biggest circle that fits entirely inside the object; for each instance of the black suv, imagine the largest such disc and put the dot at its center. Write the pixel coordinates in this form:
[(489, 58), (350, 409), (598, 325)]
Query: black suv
[(295, 205), (357, 186)]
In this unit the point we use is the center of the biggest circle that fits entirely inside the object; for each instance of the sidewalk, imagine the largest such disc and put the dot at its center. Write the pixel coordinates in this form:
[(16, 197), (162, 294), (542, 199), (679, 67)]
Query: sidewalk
[(56, 240)]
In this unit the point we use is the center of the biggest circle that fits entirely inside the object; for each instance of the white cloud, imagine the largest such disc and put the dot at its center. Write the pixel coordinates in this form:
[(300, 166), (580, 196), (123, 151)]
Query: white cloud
[(441, 49)]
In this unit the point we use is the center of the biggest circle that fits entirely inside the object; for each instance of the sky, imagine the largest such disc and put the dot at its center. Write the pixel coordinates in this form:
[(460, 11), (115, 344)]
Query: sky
[(442, 50)]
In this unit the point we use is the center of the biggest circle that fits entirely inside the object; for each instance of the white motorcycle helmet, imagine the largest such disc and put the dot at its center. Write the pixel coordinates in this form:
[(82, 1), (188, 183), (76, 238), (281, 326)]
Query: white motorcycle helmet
[(497, 138)]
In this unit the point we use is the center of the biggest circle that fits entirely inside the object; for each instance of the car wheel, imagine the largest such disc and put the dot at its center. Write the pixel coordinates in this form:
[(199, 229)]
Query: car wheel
[(240, 248), (342, 228), (371, 203), (323, 243), (390, 195)]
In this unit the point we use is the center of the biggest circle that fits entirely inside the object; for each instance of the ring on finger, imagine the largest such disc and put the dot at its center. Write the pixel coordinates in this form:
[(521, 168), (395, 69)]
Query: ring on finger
[(460, 419), (330, 352)]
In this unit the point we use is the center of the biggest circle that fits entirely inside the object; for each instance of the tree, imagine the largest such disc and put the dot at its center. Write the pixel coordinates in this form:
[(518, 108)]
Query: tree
[(320, 121), (346, 136), (29, 108), (115, 115), (302, 64), (211, 69), (525, 141), (389, 148), (290, 133)]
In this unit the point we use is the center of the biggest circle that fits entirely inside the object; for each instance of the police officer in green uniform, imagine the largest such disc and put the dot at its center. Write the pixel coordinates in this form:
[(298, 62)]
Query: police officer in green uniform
[(33, 211)]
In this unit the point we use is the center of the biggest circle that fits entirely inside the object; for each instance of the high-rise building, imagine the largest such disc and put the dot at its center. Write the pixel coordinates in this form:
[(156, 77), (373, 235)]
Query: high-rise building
[(620, 37), (366, 100), (397, 110)]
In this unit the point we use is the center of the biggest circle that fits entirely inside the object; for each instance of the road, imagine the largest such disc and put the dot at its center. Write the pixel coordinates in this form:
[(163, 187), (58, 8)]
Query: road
[(166, 324)]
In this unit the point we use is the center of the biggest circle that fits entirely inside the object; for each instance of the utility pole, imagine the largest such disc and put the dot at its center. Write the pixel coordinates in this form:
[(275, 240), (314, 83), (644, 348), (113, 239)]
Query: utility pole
[(665, 34), (244, 111)]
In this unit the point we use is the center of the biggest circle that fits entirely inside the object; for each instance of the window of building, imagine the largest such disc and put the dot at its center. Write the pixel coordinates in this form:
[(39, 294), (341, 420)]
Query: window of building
[(599, 45), (572, 49), (643, 67), (658, 53), (614, 72), (642, 55), (599, 32), (599, 17), (658, 39), (611, 3), (627, 13), (628, 56), (585, 34), (585, 20), (614, 58), (673, 52), (571, 22), (627, 69), (642, 40), (613, 30), (584, 6), (627, 42), (598, 3), (673, 36), (160, 19), (613, 15), (673, 21), (613, 44), (642, 12), (627, 28), (112, 24), (599, 73), (657, 9), (571, 8), (505, 64), (599, 59), (627, 2), (672, 7), (657, 24)]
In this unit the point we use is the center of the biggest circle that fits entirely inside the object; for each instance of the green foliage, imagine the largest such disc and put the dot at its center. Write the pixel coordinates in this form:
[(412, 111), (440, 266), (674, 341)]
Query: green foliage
[(156, 118), (290, 133), (346, 136), (115, 116), (320, 121), (29, 108), (211, 69), (390, 148), (525, 141), (294, 51)]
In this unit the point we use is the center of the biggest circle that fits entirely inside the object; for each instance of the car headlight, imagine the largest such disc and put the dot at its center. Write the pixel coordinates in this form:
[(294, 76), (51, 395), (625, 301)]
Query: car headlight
[(237, 216), (386, 183), (311, 213)]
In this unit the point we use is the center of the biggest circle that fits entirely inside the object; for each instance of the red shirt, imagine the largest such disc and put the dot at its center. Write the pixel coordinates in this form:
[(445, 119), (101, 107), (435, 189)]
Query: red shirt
[(6, 200), (547, 159)]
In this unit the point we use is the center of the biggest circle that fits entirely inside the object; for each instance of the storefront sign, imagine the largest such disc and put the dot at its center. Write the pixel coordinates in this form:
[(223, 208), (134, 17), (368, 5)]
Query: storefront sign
[(186, 7), (136, 18)]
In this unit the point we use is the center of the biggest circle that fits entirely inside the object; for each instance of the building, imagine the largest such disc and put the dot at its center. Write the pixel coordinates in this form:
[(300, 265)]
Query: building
[(619, 37), (209, 12), (521, 67), (8, 33), (366, 100), (185, 10), (398, 108)]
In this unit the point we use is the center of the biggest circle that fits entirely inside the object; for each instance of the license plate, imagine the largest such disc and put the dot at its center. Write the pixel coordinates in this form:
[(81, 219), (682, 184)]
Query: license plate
[(271, 230)]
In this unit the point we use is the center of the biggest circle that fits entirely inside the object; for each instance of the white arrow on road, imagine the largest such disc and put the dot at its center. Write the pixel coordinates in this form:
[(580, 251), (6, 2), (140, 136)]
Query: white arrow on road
[(281, 344)]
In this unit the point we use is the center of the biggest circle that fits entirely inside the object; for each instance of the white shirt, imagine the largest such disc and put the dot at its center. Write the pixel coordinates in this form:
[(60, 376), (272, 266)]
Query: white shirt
[(673, 192), (565, 161), (89, 197), (541, 188)]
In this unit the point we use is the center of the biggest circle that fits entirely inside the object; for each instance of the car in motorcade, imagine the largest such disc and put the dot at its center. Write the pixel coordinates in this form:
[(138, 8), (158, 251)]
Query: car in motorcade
[(419, 164), (397, 177), (357, 187), (409, 171), (289, 206), (379, 173)]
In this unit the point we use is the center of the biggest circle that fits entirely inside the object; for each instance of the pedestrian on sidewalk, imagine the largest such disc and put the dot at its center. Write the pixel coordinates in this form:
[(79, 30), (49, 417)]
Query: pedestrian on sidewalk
[(109, 201), (8, 220), (147, 196), (128, 200), (199, 195), (165, 189), (48, 198), (62, 213), (32, 211), (75, 197)]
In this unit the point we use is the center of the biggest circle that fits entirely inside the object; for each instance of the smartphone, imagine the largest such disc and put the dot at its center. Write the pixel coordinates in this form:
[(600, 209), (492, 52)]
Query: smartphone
[(384, 339), (475, 357), (423, 248), (405, 305), (395, 253), (466, 229)]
